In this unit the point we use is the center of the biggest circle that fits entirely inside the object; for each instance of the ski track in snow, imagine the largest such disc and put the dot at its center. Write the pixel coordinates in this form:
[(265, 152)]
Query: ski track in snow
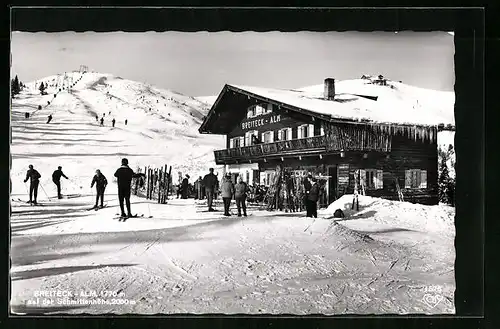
[(183, 259)]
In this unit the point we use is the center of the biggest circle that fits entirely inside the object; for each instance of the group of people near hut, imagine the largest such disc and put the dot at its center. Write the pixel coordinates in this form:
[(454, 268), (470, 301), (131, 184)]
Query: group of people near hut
[(296, 193)]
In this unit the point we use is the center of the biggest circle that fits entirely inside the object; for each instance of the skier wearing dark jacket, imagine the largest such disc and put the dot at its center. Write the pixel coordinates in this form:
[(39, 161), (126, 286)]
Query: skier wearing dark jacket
[(34, 177), (56, 178), (124, 175), (210, 183), (101, 183)]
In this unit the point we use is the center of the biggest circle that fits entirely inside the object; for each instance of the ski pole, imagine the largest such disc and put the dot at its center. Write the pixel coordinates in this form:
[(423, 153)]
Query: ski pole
[(45, 192), (27, 190)]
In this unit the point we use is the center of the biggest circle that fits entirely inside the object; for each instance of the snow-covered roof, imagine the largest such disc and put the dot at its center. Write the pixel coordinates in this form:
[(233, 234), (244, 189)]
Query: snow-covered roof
[(396, 102)]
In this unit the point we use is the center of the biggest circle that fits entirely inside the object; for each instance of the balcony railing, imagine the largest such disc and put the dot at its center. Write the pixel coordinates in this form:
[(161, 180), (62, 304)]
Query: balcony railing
[(311, 144)]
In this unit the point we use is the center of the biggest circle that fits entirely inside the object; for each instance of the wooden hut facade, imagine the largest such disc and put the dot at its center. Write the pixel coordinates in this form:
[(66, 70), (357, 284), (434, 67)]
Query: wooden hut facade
[(340, 137)]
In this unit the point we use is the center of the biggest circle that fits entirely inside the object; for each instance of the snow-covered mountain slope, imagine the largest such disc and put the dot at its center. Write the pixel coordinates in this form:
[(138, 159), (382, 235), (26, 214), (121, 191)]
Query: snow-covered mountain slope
[(209, 100), (162, 129)]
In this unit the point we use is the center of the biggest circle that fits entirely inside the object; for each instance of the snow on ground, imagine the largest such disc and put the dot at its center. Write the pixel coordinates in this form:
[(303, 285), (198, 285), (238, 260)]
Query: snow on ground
[(178, 258)]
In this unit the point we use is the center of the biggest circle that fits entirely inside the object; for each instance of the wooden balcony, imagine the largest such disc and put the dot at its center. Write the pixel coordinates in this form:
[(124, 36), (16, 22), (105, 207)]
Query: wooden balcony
[(316, 144)]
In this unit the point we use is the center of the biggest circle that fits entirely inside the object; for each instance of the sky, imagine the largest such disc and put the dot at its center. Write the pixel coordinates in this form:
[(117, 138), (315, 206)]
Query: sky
[(199, 64)]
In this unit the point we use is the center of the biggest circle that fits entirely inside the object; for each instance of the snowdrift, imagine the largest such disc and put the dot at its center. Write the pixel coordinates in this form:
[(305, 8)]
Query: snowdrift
[(420, 217)]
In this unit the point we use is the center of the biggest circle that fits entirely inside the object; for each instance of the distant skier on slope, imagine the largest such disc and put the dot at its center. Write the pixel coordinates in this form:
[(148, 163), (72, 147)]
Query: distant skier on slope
[(49, 118), (56, 178), (97, 118), (124, 175), (102, 121), (101, 183), (33, 175), (126, 122), (113, 122)]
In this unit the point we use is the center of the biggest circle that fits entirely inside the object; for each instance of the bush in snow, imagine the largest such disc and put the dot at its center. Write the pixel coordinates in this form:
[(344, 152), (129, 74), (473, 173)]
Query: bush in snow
[(446, 183)]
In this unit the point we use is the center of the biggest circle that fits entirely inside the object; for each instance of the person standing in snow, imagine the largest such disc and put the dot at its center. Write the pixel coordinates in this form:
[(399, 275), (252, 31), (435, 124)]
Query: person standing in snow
[(312, 199), (97, 118), (126, 122), (124, 175), (227, 192), (102, 121), (240, 195), (49, 118), (307, 188), (33, 175), (185, 187), (113, 122), (56, 178), (101, 183), (210, 183)]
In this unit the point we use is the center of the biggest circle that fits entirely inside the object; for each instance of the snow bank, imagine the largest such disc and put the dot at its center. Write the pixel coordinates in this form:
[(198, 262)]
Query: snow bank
[(416, 216)]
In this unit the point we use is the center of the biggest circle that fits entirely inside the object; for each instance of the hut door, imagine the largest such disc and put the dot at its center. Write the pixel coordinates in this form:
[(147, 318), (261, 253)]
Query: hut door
[(332, 183)]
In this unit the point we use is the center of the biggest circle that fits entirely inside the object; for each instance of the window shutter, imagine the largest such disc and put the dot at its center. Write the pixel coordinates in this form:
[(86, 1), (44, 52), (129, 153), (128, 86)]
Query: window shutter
[(289, 134), (242, 141), (423, 179), (322, 130), (379, 182), (271, 136), (310, 132), (299, 132), (407, 178), (231, 143), (362, 178)]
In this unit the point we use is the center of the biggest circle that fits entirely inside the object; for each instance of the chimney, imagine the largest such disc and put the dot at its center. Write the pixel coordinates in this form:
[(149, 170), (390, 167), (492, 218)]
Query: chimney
[(329, 92)]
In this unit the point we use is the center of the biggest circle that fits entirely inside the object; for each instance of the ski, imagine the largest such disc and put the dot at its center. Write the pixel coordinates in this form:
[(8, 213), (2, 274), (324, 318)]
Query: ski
[(121, 218)]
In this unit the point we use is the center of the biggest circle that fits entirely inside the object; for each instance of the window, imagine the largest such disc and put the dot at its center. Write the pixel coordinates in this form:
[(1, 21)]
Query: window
[(269, 109), (236, 142), (305, 131), (322, 130), (251, 112), (372, 178), (415, 178), (285, 134), (248, 137), (268, 137), (259, 110)]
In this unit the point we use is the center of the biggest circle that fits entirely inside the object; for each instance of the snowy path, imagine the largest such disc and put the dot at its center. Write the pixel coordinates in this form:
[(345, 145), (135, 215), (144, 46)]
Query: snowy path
[(202, 263)]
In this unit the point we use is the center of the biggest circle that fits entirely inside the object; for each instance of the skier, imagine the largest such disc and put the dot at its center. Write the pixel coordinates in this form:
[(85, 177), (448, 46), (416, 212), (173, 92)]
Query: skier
[(50, 118), (34, 177), (97, 118), (240, 196), (101, 183), (126, 122), (56, 178), (109, 112), (102, 121), (185, 187), (210, 183), (113, 122), (227, 192), (104, 114), (26, 115), (124, 175)]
